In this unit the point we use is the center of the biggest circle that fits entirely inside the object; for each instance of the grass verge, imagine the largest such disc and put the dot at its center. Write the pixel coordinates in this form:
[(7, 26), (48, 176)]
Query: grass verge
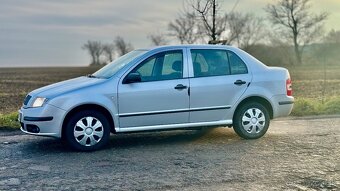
[(9, 121), (307, 106)]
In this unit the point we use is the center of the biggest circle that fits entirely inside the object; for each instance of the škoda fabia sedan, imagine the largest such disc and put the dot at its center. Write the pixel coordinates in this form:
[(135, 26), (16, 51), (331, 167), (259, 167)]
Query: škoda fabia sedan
[(168, 87)]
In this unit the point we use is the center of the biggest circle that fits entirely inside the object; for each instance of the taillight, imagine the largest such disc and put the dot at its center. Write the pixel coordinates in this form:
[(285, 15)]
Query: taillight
[(289, 87)]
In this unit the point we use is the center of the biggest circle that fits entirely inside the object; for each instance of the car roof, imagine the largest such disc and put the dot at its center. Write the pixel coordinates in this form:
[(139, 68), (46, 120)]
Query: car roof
[(200, 46)]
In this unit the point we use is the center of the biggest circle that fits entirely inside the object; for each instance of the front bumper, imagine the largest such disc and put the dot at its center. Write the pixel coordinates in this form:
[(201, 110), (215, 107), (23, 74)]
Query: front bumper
[(43, 121)]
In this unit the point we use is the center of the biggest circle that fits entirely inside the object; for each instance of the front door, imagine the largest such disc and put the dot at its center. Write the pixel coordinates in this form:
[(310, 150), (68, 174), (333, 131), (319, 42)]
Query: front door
[(160, 98)]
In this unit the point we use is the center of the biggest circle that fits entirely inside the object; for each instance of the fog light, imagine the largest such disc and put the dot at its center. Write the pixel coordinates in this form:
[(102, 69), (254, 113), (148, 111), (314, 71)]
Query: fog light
[(32, 128)]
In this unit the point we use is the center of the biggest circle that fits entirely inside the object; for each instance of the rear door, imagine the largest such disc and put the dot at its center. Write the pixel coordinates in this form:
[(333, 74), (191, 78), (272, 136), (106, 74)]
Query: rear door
[(161, 97), (218, 78)]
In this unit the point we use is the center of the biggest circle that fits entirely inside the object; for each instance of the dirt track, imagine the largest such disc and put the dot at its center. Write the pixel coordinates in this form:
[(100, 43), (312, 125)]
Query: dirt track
[(300, 154)]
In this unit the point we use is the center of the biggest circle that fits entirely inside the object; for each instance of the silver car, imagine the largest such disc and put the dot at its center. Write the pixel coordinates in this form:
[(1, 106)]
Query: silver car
[(167, 87)]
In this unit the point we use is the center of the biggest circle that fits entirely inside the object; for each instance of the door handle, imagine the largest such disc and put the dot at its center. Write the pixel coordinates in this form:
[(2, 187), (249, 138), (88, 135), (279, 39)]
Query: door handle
[(239, 82), (180, 87)]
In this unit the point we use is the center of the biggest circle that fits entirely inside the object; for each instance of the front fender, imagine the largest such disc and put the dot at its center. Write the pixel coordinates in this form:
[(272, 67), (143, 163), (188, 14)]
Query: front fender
[(103, 94), (69, 102)]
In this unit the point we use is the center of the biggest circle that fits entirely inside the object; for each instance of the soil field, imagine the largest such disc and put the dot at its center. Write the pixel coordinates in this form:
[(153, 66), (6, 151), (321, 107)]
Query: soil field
[(315, 82), (15, 83)]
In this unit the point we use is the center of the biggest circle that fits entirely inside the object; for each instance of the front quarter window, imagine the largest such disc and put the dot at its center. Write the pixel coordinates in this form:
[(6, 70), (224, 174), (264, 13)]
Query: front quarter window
[(112, 68)]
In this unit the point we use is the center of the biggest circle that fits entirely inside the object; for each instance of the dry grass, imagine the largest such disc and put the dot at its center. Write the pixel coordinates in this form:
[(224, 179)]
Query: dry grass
[(316, 81)]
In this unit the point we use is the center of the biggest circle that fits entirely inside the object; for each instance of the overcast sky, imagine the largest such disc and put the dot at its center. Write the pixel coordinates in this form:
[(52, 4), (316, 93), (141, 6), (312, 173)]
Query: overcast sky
[(51, 32)]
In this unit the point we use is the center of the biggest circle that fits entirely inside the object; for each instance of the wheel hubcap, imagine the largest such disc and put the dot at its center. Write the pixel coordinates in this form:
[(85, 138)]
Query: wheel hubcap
[(253, 120), (88, 131)]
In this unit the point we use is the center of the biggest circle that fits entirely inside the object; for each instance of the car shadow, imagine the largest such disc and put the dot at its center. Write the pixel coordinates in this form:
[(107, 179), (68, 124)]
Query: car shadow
[(154, 138), (205, 135), (44, 145)]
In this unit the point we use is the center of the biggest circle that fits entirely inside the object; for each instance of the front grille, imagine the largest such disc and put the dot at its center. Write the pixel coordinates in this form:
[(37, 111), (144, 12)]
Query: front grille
[(27, 99)]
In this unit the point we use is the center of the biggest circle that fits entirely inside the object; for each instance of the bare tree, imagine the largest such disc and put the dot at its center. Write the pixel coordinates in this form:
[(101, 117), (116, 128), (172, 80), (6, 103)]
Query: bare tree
[(281, 49), (98, 52), (108, 50), (94, 48), (235, 24), (254, 31), (296, 22), (157, 39), (333, 37), (248, 29), (213, 24), (122, 47), (185, 28)]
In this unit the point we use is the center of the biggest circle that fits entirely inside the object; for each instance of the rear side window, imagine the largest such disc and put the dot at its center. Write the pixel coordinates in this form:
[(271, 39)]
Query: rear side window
[(162, 66), (210, 63), (237, 66), (216, 63)]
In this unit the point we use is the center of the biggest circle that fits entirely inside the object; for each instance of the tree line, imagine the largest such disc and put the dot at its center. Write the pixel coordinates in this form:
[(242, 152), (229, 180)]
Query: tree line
[(293, 27), (96, 50)]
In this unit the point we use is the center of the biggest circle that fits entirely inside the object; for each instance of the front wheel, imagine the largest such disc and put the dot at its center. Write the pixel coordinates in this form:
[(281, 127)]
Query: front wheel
[(251, 120), (87, 130)]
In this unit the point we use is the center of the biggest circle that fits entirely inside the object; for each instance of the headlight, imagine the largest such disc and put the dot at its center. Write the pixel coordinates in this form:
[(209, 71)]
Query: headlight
[(39, 101)]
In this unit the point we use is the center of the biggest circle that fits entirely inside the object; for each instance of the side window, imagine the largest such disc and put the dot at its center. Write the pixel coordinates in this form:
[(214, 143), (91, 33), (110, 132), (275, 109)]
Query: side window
[(237, 66), (210, 63), (147, 69), (162, 66), (172, 63)]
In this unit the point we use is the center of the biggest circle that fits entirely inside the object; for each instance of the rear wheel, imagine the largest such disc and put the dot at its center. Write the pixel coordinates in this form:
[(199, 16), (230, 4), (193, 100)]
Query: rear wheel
[(251, 120), (87, 130)]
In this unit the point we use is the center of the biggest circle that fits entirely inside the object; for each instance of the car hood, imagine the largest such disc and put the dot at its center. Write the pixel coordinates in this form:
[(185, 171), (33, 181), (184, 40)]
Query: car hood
[(63, 87)]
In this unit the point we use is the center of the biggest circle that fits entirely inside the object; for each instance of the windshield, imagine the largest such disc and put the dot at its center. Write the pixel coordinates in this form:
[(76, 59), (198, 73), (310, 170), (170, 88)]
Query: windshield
[(110, 69)]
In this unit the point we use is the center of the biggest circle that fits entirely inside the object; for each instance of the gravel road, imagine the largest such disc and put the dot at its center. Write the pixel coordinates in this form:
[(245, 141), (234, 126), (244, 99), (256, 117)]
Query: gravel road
[(295, 154)]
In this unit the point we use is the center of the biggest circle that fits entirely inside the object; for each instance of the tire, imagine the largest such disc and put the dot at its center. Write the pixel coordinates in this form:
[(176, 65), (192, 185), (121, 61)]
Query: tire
[(251, 120), (79, 135)]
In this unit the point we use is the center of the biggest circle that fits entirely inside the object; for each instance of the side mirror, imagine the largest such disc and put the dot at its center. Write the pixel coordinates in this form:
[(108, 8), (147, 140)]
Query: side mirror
[(132, 78)]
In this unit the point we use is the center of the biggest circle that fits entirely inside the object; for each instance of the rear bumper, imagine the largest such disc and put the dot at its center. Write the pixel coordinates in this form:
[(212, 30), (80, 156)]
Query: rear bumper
[(42, 121), (282, 105), (286, 102)]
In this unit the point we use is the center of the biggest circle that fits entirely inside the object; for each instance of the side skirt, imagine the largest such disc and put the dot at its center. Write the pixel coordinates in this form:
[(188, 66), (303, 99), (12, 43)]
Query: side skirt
[(174, 126)]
